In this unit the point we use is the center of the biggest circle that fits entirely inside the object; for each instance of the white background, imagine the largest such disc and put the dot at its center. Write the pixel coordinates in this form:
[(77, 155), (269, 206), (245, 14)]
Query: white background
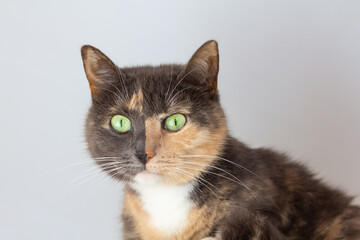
[(289, 79)]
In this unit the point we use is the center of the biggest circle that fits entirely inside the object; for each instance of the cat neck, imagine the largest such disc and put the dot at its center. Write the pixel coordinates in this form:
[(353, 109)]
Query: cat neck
[(167, 205)]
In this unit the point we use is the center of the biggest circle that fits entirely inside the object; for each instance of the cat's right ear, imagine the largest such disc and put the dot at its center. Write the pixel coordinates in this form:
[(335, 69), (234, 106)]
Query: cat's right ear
[(99, 70)]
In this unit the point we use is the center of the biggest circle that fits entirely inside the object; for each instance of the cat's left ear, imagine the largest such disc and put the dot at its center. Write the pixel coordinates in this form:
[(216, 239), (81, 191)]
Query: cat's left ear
[(99, 69), (203, 66)]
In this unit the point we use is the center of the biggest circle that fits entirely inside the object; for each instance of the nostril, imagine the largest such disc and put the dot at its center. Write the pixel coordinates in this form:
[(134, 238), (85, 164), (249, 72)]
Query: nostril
[(142, 157)]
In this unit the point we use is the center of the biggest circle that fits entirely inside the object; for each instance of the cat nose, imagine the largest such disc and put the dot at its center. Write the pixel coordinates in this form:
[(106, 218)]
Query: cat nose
[(145, 157), (149, 154)]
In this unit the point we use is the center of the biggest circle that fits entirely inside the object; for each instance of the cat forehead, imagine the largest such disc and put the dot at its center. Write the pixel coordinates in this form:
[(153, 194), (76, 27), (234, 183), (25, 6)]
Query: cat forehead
[(140, 102), (144, 75), (136, 101), (152, 90), (165, 69), (149, 81)]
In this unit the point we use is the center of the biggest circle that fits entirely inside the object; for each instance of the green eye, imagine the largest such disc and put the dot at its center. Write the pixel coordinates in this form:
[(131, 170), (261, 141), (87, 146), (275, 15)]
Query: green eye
[(120, 123), (175, 122)]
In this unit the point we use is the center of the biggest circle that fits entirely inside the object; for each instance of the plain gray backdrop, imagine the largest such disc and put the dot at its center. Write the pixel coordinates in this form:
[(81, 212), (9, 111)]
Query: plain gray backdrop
[(289, 79)]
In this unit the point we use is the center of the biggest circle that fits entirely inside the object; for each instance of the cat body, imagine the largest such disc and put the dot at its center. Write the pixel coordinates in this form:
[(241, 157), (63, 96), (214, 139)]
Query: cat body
[(162, 131), (286, 202)]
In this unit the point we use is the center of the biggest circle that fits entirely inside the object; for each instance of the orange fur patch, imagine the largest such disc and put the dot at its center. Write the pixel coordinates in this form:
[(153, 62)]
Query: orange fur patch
[(136, 101), (330, 230), (190, 140), (168, 147)]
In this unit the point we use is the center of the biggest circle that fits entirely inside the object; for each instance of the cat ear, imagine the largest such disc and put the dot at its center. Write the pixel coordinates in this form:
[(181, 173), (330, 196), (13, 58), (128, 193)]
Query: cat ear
[(99, 69), (203, 66)]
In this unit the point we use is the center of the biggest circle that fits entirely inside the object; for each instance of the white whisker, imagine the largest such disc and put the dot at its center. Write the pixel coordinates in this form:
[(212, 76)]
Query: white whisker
[(236, 181), (122, 81), (108, 90), (89, 174), (103, 180), (182, 80), (224, 159), (167, 92), (174, 97), (199, 178)]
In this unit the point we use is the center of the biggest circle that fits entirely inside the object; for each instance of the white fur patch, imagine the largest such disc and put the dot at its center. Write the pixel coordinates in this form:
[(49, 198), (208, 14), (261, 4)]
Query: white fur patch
[(167, 205)]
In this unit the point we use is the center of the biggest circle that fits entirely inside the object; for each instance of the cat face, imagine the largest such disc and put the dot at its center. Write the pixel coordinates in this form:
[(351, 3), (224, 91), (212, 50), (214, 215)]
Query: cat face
[(163, 121)]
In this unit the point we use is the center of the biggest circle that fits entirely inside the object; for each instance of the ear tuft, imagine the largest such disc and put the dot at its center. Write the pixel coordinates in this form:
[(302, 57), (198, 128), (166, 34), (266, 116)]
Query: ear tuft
[(99, 69)]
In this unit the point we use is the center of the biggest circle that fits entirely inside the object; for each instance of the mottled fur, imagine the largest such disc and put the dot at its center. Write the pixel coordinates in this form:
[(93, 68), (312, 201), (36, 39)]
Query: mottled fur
[(237, 192)]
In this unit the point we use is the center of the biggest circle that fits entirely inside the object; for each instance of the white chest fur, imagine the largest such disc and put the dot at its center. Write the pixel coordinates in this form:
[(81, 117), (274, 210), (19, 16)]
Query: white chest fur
[(168, 206)]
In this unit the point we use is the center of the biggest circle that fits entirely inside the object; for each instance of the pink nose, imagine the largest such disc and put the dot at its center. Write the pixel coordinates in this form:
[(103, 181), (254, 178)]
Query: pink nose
[(149, 154)]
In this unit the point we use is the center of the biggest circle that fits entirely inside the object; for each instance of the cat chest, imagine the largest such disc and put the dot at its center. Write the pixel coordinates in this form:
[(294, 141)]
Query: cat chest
[(164, 213)]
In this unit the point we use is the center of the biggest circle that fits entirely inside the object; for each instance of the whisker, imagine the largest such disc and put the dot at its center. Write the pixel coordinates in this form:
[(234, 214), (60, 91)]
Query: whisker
[(174, 97), (108, 91), (89, 174), (122, 81), (201, 180), (189, 168), (226, 160), (82, 162), (179, 171), (120, 98), (103, 180), (237, 179), (167, 92), (174, 172), (182, 80), (198, 176)]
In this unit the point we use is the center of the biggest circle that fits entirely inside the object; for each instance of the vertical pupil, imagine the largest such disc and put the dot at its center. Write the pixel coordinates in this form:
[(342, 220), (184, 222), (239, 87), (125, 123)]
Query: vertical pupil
[(121, 123), (175, 122)]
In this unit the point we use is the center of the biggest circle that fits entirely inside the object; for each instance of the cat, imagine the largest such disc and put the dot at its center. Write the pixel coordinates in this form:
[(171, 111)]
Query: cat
[(162, 131)]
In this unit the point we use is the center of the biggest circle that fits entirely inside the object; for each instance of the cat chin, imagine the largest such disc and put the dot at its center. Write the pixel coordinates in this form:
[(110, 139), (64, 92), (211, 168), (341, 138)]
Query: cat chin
[(147, 177)]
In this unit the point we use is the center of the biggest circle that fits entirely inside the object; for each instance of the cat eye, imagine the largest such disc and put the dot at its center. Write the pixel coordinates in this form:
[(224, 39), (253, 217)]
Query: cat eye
[(120, 123), (175, 122)]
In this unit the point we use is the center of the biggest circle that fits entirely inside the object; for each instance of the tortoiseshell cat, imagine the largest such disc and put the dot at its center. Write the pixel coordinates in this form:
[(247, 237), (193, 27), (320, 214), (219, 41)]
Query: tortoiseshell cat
[(163, 132)]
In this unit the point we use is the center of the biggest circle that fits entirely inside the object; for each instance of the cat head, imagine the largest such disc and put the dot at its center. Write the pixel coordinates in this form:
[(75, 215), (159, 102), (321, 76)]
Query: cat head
[(164, 121)]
